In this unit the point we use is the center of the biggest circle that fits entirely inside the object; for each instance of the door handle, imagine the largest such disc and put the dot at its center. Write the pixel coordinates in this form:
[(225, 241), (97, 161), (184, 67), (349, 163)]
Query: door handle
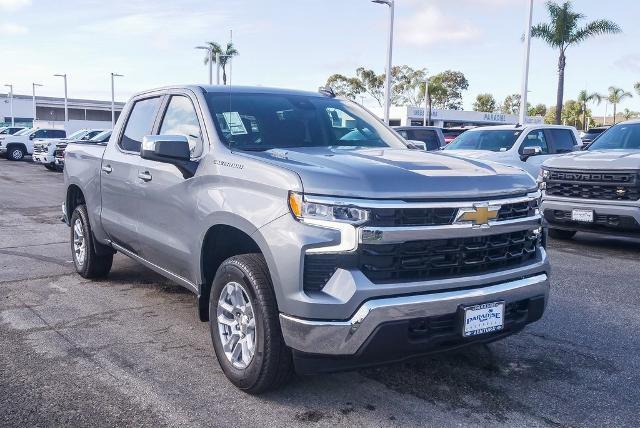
[(107, 169), (144, 176)]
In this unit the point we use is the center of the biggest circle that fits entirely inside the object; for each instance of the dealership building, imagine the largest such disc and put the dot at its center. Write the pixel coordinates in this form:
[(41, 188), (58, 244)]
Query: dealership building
[(411, 115), (49, 112)]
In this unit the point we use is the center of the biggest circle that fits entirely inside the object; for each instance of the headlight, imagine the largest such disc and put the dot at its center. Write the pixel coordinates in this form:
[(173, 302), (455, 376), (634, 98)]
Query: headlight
[(542, 179), (305, 210)]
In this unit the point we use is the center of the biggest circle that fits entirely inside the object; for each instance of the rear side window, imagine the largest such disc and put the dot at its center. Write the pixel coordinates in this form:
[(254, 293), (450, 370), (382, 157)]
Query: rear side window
[(56, 133), (181, 119), (428, 136), (563, 140), (139, 124)]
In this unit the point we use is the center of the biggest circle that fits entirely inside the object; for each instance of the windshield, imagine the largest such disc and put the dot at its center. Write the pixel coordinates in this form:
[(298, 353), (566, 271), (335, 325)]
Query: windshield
[(77, 135), (621, 137), (25, 131), (247, 121), (101, 137), (495, 141)]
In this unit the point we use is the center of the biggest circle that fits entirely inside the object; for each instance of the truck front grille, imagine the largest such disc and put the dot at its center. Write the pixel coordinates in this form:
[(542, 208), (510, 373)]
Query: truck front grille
[(426, 260), (446, 258), (39, 149), (613, 186), (399, 217)]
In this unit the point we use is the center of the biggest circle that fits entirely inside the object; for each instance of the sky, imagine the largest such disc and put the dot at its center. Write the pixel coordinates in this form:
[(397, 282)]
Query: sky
[(299, 43)]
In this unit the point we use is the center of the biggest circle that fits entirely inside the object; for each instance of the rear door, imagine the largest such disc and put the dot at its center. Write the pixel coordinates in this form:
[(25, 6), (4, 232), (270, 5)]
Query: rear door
[(119, 174), (167, 210)]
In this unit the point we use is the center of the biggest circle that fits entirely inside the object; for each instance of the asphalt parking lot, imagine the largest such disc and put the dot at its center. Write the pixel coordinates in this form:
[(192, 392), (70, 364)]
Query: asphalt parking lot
[(130, 350)]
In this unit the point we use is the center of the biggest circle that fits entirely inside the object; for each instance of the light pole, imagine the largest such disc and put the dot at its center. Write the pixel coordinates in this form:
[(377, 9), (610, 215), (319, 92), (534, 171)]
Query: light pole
[(426, 103), (209, 50), (66, 106), (33, 89), (113, 99), (525, 67), (387, 86), (11, 103)]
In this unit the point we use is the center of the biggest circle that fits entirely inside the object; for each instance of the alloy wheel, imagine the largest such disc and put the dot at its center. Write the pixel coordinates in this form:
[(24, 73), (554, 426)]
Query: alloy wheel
[(236, 325)]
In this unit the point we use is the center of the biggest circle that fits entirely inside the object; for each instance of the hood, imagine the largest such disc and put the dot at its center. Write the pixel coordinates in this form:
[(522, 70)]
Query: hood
[(383, 173), (597, 159)]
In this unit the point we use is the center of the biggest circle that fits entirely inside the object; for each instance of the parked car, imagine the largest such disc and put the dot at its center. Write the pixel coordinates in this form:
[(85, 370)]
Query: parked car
[(593, 133), (526, 147), (304, 249), (431, 136), (451, 134), (44, 149), (10, 130), (597, 190), (20, 144), (101, 138)]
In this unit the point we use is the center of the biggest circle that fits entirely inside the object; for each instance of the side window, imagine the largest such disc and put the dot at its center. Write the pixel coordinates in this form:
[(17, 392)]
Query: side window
[(563, 140), (535, 139), (139, 124), (404, 134), (427, 136), (181, 119), (58, 134)]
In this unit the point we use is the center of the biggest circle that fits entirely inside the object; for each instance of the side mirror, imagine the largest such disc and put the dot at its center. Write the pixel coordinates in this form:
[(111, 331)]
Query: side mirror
[(32, 136), (171, 149), (527, 152), (416, 145)]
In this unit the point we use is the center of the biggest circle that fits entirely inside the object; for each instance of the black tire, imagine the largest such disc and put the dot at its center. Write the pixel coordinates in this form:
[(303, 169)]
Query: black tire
[(561, 233), (92, 265), (16, 153), (50, 166), (271, 365)]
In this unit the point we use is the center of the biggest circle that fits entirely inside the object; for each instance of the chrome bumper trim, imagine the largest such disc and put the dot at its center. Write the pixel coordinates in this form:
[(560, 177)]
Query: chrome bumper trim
[(346, 337), (387, 235)]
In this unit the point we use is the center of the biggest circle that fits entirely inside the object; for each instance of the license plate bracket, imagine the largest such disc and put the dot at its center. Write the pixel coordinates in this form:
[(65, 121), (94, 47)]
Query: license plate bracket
[(583, 216), (482, 318)]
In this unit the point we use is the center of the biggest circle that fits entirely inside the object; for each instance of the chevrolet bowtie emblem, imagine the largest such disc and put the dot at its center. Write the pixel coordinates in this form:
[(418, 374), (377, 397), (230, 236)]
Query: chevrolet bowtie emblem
[(479, 215)]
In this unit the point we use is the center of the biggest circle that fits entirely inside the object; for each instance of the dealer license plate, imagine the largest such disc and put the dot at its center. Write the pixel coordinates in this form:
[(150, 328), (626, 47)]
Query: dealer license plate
[(482, 319), (585, 216)]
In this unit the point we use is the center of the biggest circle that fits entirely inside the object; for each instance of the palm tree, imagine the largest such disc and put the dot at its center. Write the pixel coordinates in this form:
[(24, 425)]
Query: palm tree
[(436, 89), (223, 55), (628, 114), (563, 31), (584, 98), (615, 97), (637, 87)]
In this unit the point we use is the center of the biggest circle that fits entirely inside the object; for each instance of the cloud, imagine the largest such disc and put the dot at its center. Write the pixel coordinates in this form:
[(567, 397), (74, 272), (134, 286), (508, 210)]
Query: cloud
[(14, 4), (430, 25), (8, 29), (630, 62)]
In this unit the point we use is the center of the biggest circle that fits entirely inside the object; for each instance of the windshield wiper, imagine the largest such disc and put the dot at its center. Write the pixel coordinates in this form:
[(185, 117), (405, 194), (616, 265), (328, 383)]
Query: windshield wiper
[(255, 149)]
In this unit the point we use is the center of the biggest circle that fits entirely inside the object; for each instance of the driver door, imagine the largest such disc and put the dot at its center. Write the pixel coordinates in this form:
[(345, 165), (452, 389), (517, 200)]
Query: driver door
[(535, 138)]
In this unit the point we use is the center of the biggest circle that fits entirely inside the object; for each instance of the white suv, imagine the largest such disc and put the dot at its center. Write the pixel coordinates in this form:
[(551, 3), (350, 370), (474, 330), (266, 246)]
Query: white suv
[(44, 149), (526, 147), (20, 144)]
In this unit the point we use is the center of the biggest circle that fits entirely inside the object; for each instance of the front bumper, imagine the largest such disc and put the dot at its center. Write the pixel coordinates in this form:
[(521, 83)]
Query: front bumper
[(622, 218), (43, 158), (348, 338)]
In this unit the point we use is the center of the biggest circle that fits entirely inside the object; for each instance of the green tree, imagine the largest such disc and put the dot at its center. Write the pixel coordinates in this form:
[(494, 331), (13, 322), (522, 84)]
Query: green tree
[(585, 98), (225, 56), (615, 97), (485, 103), (451, 83), (550, 116), (572, 113), (349, 87), (407, 85), (563, 31), (628, 114), (511, 104), (538, 110)]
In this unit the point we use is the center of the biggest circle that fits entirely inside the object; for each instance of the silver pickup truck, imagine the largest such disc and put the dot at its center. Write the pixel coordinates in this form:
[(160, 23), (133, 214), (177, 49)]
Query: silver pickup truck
[(597, 190), (312, 237)]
